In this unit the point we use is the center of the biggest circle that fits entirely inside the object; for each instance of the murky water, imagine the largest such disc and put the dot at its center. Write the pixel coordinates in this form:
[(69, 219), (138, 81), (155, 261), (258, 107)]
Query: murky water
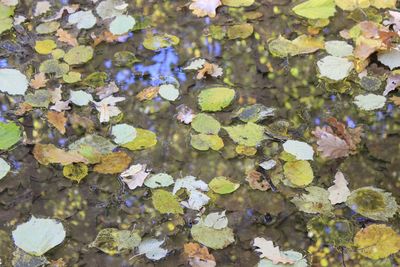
[(291, 85)]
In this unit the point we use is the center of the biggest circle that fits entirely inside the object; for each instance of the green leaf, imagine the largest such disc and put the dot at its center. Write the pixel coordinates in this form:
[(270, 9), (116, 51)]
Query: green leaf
[(144, 139), (123, 133), (298, 173), (113, 241), (316, 9), (155, 42), (237, 3), (211, 237), (205, 124), (204, 142), (79, 55), (159, 180), (166, 202), (221, 185), (249, 134), (315, 202), (240, 31), (10, 134), (215, 98)]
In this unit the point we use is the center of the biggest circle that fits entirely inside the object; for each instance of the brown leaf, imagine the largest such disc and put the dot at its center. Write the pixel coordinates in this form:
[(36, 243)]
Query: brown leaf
[(49, 153), (66, 37), (106, 36), (58, 120), (257, 181), (198, 256), (113, 163), (38, 81), (22, 109), (209, 69), (331, 146), (396, 100), (148, 93)]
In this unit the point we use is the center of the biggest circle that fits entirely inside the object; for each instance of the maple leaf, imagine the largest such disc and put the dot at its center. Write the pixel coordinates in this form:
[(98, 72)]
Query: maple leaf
[(267, 250), (202, 8), (107, 107), (339, 192), (38, 81), (330, 145), (60, 106), (134, 176), (210, 69), (58, 120), (66, 37)]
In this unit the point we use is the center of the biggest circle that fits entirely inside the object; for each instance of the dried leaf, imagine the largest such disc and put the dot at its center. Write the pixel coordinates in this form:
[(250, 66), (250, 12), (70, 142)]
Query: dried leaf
[(58, 120), (339, 192), (269, 251), (38, 81)]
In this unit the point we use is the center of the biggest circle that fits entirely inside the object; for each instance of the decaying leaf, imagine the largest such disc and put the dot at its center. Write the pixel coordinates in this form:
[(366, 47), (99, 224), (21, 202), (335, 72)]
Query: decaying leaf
[(58, 120)]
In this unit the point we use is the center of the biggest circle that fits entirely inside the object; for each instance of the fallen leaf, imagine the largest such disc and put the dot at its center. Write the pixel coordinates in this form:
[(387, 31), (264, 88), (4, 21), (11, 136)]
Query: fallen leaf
[(202, 8), (49, 153), (135, 175), (66, 37), (269, 251), (58, 120), (38, 81), (112, 163), (339, 192)]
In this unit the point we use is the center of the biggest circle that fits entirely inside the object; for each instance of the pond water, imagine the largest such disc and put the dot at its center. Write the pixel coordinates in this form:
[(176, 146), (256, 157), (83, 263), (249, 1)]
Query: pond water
[(302, 99)]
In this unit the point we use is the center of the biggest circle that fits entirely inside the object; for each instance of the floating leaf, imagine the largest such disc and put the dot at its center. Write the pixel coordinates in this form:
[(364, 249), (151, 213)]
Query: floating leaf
[(339, 192), (334, 68), (198, 255), (338, 48), (135, 175), (316, 9), (166, 202), (13, 82), (112, 163), (373, 203), (237, 3), (370, 101), (317, 201), (215, 98), (123, 133), (298, 173), (10, 134), (37, 236), (202, 8), (82, 19), (113, 241), (45, 47), (249, 134), (79, 55), (144, 139), (159, 180), (58, 120), (377, 241), (221, 185), (168, 92), (282, 47), (254, 113), (49, 153), (39, 99), (205, 124), (152, 250), (204, 142), (269, 251), (301, 150), (4, 168), (97, 142), (240, 31), (155, 42), (54, 66), (75, 172), (122, 24)]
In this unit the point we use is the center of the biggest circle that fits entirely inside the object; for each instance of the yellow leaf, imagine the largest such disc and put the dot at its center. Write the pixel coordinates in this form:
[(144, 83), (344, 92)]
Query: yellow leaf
[(45, 47)]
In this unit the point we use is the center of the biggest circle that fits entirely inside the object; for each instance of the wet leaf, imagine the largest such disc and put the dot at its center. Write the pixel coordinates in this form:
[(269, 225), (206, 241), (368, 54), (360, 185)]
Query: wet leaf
[(316, 201), (202, 8), (316, 9), (301, 150), (237, 3), (334, 68), (339, 192), (78, 55), (254, 113), (49, 153), (58, 120), (166, 202), (205, 124), (377, 241), (82, 19), (298, 173), (249, 134), (112, 163), (13, 82), (144, 139), (38, 99), (122, 24), (37, 236), (370, 102), (156, 42), (152, 250), (221, 185), (135, 175), (240, 31), (123, 133), (54, 66), (269, 251), (338, 48), (168, 92), (10, 134), (159, 180), (38, 81), (215, 98), (97, 142), (75, 172), (22, 259), (204, 142), (45, 47), (4, 168), (198, 256), (113, 241)]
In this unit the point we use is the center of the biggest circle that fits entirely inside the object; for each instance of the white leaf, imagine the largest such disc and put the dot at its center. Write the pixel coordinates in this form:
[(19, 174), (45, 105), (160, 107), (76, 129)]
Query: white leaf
[(168, 92), (301, 150), (123, 133), (151, 249), (196, 64), (82, 19), (4, 168), (196, 200), (370, 101), (122, 24), (390, 58), (13, 82), (80, 98), (268, 165), (159, 180), (216, 220), (339, 192), (37, 236), (110, 8), (135, 175), (338, 48), (335, 68), (189, 183), (267, 250), (107, 107)]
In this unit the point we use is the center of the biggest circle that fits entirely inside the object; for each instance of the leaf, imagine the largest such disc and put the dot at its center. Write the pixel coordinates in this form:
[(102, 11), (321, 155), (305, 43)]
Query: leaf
[(113, 241), (339, 48), (249, 134), (112, 163), (215, 98), (152, 250), (282, 47), (144, 139), (298, 173), (49, 153), (79, 55), (148, 93), (4, 168), (238, 3), (350, 5), (202, 8), (168, 92), (159, 180), (122, 24), (216, 220), (331, 146), (257, 181), (97, 142), (205, 124), (10, 134), (13, 82), (254, 113), (185, 114), (75, 172), (339, 192), (110, 8), (297, 257), (373, 203), (334, 68), (317, 201), (82, 19), (166, 202), (209, 69), (156, 42), (204, 142), (38, 81), (301, 150), (196, 200), (392, 83), (41, 8), (45, 47), (198, 256), (377, 241), (383, 3), (370, 102), (221, 185), (390, 58), (190, 183), (135, 175), (58, 120), (240, 31), (123, 133), (37, 236), (66, 37), (39, 99), (269, 251), (315, 9)]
